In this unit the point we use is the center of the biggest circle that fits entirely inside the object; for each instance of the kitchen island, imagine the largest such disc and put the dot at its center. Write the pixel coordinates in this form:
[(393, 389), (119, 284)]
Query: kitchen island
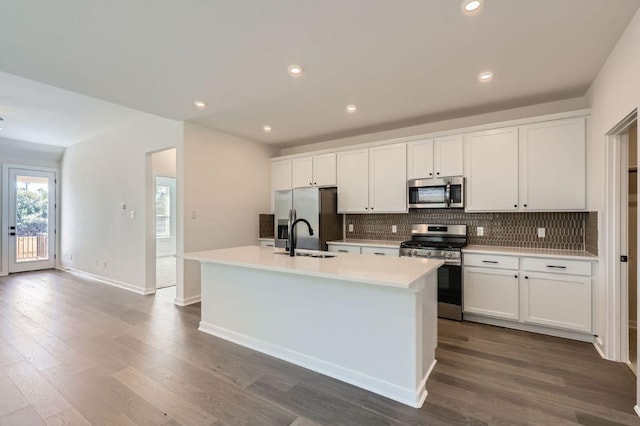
[(367, 320)]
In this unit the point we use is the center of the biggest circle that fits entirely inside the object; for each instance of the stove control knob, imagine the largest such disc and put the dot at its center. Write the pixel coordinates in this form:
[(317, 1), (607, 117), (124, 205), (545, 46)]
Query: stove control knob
[(428, 252), (447, 254), (413, 252)]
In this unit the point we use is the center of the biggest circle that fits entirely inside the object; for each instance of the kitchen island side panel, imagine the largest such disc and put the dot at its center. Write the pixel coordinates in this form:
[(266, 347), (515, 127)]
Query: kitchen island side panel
[(367, 335)]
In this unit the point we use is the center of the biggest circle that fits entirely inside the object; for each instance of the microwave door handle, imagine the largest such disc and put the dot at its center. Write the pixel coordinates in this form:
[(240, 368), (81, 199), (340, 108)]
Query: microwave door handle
[(447, 194)]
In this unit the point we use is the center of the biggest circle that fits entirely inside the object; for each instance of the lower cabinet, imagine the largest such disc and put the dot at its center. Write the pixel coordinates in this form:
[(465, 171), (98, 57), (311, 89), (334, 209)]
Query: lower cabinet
[(523, 291), (555, 300), (379, 251), (266, 243), (492, 292)]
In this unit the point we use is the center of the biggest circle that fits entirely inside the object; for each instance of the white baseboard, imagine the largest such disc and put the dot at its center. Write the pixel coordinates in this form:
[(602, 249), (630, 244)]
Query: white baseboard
[(599, 345), (637, 410), (412, 397), (188, 301), (112, 282)]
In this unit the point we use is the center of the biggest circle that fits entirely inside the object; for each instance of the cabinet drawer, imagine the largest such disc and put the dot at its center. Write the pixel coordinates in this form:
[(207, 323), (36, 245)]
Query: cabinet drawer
[(381, 251), (344, 249), (556, 266), (490, 261), (266, 243)]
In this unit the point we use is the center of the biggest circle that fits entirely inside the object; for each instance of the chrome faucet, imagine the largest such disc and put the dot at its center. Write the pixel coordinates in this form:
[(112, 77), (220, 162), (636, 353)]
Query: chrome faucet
[(292, 224)]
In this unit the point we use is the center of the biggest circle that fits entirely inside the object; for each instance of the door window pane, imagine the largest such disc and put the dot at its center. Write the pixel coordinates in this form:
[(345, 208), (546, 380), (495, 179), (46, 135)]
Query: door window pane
[(32, 218), (163, 211)]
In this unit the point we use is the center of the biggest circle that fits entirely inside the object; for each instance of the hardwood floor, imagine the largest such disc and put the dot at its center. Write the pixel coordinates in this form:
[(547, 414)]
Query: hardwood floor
[(74, 351)]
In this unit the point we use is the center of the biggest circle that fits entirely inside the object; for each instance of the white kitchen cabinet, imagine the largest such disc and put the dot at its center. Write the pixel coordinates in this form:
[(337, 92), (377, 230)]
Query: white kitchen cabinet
[(553, 165), (492, 170), (380, 251), (263, 242), (302, 172), (388, 179), (353, 181), (557, 300), (420, 159), (448, 156), (324, 170), (318, 170), (281, 175), (440, 157), (373, 180), (491, 292), (340, 248)]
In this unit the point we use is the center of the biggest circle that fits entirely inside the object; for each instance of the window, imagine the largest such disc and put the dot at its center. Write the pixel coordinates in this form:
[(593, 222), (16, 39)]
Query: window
[(163, 212)]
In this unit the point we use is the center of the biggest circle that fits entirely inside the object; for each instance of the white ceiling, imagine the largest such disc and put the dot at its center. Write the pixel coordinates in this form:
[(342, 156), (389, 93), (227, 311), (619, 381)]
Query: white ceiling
[(401, 62)]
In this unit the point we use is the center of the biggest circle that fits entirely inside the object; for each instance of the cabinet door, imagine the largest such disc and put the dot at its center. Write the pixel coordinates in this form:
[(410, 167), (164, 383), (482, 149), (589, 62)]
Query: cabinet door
[(353, 181), (555, 300), (302, 172), (492, 170), (324, 170), (280, 175), (448, 155), (340, 248), (388, 179), (491, 292), (553, 165), (380, 251), (420, 159)]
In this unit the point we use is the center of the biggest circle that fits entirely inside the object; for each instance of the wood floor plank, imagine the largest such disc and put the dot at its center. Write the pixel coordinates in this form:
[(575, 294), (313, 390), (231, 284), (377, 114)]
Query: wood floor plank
[(85, 338), (43, 397), (26, 416), (180, 409)]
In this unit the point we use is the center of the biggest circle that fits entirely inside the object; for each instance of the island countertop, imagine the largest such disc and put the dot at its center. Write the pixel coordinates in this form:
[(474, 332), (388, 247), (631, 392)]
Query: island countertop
[(398, 272)]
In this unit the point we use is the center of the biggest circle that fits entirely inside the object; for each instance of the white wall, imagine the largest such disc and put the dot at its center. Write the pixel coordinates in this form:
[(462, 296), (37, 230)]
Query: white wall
[(225, 180), (163, 163), (439, 126), (97, 176), (613, 95)]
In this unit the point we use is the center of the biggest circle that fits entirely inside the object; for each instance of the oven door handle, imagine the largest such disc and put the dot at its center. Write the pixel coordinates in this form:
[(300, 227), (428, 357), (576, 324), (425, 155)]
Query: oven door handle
[(447, 194)]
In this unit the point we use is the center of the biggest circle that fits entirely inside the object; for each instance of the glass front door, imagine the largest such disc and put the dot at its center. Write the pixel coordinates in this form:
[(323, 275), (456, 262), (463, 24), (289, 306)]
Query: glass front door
[(31, 220)]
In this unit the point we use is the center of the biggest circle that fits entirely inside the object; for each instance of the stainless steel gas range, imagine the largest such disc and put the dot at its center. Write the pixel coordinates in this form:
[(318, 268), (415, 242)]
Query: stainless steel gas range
[(441, 242)]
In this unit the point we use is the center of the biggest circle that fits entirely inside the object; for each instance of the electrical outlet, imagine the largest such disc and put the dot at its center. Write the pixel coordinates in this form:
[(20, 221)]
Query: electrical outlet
[(193, 214), (105, 263), (394, 229), (132, 214), (541, 233), (480, 231), (351, 227), (70, 257), (97, 262)]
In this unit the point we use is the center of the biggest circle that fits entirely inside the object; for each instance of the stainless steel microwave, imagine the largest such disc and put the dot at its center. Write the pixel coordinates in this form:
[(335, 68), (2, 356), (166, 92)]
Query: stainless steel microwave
[(436, 193)]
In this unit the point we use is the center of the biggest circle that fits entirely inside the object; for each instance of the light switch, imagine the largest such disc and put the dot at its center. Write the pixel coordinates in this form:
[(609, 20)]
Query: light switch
[(480, 231), (541, 233), (351, 227), (132, 214), (123, 206)]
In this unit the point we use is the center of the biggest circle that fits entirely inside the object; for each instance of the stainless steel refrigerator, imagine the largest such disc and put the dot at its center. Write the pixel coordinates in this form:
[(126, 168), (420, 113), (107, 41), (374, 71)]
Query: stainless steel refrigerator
[(317, 205)]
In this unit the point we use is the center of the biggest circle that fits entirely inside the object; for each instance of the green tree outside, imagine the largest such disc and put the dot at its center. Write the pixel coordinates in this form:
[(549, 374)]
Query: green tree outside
[(32, 208)]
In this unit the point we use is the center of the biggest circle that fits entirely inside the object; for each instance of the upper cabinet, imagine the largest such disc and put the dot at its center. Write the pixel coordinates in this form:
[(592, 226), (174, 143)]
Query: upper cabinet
[(280, 175), (535, 167), (492, 170), (440, 157), (553, 165), (373, 180), (319, 170)]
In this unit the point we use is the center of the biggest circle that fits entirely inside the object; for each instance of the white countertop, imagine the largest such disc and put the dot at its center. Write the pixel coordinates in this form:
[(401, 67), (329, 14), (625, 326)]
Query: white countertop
[(367, 243), (398, 272), (531, 252)]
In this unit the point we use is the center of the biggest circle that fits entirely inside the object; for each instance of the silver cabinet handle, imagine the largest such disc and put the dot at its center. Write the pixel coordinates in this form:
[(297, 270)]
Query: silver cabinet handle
[(343, 251), (381, 254), (489, 261), (556, 266)]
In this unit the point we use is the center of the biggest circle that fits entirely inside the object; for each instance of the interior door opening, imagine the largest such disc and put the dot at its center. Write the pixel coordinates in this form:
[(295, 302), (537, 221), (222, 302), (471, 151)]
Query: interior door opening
[(632, 250), (32, 219), (164, 173)]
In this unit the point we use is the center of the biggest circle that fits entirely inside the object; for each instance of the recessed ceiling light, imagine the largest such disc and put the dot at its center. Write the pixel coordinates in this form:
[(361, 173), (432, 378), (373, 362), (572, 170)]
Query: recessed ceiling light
[(200, 104), (471, 5), (485, 76), (351, 109), (266, 128), (295, 70)]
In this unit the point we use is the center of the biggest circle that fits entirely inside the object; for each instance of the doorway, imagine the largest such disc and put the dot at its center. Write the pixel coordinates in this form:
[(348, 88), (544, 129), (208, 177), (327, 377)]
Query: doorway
[(164, 178), (31, 219), (632, 138)]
